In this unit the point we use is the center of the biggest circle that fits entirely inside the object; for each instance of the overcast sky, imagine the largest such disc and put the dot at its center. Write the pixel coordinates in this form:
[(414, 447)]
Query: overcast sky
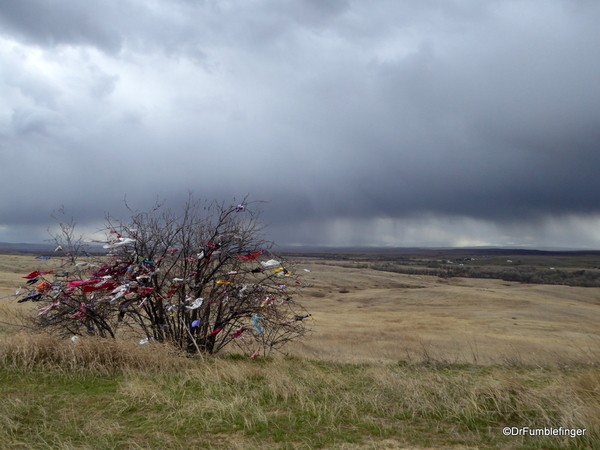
[(396, 123)]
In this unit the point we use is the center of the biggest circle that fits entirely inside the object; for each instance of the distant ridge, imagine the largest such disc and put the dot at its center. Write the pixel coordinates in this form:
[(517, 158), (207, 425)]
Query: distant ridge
[(44, 249), (26, 248), (498, 250), (22, 247)]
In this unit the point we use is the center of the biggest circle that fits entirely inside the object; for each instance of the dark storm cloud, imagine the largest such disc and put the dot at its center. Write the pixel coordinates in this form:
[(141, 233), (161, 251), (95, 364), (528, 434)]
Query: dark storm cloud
[(62, 22), (348, 116)]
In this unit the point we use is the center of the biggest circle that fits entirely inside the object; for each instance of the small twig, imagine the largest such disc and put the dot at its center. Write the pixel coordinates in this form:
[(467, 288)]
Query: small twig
[(15, 325), (193, 340)]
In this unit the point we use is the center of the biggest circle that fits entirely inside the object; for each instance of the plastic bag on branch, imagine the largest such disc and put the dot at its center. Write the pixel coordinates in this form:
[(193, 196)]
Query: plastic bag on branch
[(196, 279)]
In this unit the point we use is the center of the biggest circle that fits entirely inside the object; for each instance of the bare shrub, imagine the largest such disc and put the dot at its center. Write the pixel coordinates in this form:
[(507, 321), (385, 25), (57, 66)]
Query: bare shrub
[(201, 279)]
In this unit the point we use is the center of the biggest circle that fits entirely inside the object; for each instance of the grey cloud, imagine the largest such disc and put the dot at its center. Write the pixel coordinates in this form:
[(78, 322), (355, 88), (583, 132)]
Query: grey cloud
[(102, 84), (337, 112), (31, 85), (37, 120), (62, 22)]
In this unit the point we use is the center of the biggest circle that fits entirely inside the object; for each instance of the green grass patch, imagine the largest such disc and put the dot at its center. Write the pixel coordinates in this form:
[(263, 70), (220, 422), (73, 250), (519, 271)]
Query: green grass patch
[(288, 403)]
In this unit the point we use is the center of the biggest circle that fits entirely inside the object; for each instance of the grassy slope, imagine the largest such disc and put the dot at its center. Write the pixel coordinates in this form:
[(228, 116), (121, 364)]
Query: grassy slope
[(108, 395), (104, 396), (362, 315)]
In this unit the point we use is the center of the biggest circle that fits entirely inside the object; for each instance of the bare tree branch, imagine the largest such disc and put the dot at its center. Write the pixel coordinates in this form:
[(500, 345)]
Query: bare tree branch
[(203, 279)]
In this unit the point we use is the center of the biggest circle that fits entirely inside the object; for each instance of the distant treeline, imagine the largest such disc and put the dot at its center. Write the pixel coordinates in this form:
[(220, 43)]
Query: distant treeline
[(585, 278)]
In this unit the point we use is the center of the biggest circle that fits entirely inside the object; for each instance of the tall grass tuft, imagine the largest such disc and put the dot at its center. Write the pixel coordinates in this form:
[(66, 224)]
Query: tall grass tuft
[(90, 355)]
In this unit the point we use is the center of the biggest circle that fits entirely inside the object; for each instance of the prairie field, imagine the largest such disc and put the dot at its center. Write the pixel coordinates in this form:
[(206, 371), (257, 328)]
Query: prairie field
[(393, 361), (367, 315)]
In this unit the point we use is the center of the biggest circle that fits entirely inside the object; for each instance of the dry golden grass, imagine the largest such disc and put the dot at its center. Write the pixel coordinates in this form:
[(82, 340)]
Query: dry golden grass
[(362, 315), (86, 355), (90, 395), (357, 382), (386, 317)]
